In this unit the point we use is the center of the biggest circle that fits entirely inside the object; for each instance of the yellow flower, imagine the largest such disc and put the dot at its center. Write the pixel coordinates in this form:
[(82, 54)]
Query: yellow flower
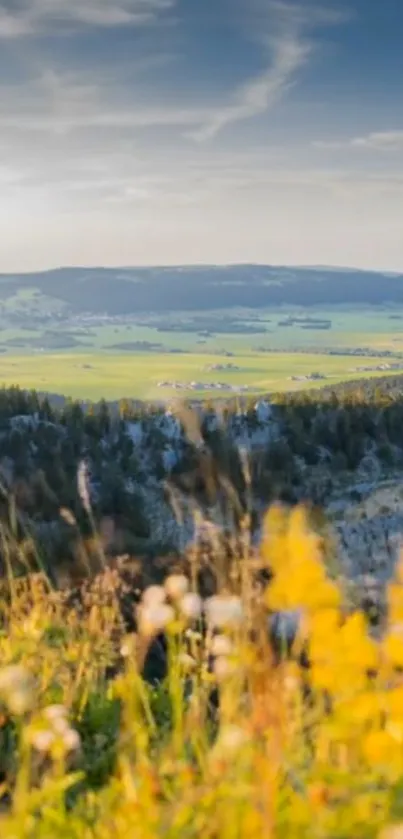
[(342, 655), (366, 706), (395, 603), (393, 648), (379, 748), (292, 551), (395, 703)]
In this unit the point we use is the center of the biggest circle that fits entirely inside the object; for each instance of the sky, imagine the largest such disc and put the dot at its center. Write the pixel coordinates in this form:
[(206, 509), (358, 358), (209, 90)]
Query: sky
[(137, 132)]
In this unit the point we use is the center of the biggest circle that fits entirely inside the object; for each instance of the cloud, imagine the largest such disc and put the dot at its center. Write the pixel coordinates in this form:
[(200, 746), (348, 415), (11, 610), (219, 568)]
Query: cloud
[(261, 93), (57, 103), (280, 27), (382, 141), (37, 16)]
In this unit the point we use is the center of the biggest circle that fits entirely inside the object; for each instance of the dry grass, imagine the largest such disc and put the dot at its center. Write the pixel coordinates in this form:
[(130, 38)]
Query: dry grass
[(305, 741)]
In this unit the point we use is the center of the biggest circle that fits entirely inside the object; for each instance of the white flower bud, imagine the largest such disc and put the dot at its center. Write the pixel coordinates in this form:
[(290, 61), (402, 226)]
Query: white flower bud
[(223, 611), (71, 740), (42, 741), (231, 738), (187, 662), (155, 618), (176, 586), (153, 596), (55, 712), (221, 645), (17, 689), (224, 668), (191, 606)]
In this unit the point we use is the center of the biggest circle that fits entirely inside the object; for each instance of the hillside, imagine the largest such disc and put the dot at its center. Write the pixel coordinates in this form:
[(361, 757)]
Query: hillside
[(190, 288), (148, 469)]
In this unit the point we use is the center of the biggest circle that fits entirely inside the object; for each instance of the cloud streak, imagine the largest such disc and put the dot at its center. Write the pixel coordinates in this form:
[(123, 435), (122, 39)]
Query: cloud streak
[(38, 16), (260, 94), (281, 28), (381, 141), (58, 104)]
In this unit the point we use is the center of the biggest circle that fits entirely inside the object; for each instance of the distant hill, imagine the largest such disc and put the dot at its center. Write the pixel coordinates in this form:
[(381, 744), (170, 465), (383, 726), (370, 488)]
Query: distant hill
[(117, 291)]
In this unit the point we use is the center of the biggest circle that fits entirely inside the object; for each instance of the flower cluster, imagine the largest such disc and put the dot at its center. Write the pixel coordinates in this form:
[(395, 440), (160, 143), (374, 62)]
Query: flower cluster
[(17, 689), (162, 606), (50, 733)]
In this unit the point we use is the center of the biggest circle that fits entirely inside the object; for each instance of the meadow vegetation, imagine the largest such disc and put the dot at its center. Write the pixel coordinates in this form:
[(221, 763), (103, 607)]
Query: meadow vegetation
[(278, 711), (96, 375)]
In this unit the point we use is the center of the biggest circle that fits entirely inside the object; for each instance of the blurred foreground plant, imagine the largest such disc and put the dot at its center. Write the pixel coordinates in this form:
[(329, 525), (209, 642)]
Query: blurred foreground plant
[(244, 738)]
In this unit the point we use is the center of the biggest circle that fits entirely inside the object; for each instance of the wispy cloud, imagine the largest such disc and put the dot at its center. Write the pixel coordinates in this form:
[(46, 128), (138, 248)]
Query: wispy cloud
[(284, 30), (382, 141), (258, 95), (58, 103), (35, 16)]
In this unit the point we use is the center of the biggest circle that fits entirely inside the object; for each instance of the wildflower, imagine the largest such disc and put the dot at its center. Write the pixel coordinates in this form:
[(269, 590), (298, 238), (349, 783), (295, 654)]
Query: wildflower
[(176, 586), (345, 648), (16, 689), (231, 738), (221, 645), (191, 606), (395, 729), (393, 645), (55, 712), (224, 667), (223, 611), (71, 740), (154, 596), (395, 703), (187, 661), (379, 748), (153, 619), (43, 741), (128, 646), (50, 741), (57, 716)]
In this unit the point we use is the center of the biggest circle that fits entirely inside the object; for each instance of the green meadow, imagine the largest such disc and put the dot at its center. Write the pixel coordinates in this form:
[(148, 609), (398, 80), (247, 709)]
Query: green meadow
[(87, 358), (113, 376)]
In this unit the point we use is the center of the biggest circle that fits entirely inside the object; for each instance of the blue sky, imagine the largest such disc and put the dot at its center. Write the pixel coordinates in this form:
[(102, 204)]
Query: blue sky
[(175, 131)]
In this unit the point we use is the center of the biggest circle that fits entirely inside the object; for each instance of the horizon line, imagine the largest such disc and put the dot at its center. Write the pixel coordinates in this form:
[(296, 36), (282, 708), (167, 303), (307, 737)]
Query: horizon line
[(202, 265)]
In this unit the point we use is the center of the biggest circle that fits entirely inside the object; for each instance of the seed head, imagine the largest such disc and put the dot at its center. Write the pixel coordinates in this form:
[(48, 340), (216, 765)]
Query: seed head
[(153, 596), (17, 689), (221, 645), (153, 619), (224, 667), (232, 738), (223, 611), (43, 741), (191, 606), (71, 740), (176, 586)]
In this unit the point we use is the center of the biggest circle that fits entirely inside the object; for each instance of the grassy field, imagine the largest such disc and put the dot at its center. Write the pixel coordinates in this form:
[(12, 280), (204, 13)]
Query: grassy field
[(113, 376), (369, 328), (357, 328), (97, 367)]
